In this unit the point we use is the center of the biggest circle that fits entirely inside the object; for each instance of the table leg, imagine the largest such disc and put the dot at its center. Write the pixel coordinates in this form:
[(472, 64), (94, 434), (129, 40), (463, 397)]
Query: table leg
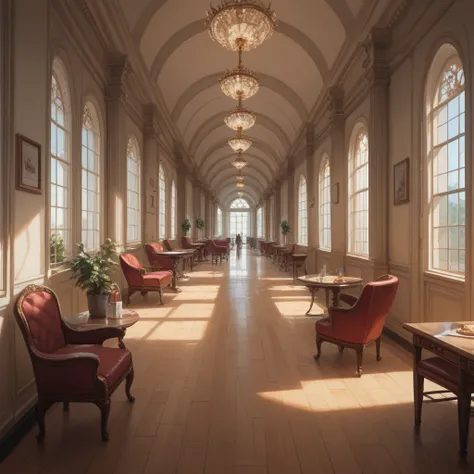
[(121, 344), (313, 292), (327, 299), (174, 282), (418, 386), (335, 296), (464, 412)]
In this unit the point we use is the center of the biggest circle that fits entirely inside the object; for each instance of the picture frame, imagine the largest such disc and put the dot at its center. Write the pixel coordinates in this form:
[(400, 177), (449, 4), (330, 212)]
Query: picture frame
[(28, 165), (401, 182), (335, 193)]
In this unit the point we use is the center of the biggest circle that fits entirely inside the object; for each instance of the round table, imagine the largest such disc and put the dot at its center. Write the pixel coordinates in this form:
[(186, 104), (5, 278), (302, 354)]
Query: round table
[(328, 283), (175, 256), (83, 322)]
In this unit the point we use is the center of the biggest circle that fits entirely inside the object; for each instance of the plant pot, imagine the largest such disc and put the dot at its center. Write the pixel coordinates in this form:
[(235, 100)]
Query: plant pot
[(97, 305)]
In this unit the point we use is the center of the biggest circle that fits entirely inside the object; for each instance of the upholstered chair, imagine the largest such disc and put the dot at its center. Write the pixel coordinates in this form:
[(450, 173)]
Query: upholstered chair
[(168, 245), (70, 366), (158, 262), (139, 280), (362, 323), (218, 252)]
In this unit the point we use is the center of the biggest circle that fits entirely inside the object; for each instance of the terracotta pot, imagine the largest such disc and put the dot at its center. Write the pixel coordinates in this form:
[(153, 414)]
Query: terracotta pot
[(97, 305)]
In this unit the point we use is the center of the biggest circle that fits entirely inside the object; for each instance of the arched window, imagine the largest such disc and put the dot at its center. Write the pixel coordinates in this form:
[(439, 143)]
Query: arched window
[(302, 212), (60, 164), (240, 204), (359, 194), (260, 223), (162, 217), (133, 191), (173, 210), (90, 178), (325, 204), (219, 222), (446, 167)]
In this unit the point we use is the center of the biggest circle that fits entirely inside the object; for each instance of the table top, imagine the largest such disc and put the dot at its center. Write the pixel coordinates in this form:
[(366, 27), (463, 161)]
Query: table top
[(300, 255), (330, 281), (173, 253), (436, 332), (82, 321)]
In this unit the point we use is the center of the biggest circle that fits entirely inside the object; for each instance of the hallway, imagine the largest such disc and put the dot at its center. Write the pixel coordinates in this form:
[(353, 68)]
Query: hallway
[(226, 383)]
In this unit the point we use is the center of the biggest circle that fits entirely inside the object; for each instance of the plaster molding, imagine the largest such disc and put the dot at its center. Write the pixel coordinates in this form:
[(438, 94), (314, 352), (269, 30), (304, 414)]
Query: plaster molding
[(118, 70)]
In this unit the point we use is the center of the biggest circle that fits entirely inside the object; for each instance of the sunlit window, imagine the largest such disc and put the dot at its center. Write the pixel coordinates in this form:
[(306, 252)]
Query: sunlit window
[(133, 191), (162, 217), (260, 223), (325, 204), (447, 186), (60, 168), (219, 222), (359, 195), (90, 178), (240, 204), (173, 210), (302, 212)]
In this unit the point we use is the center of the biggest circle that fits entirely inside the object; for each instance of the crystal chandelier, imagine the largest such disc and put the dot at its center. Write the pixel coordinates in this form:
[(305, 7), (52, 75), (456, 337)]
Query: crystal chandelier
[(240, 185), (240, 162), (240, 194), (240, 178), (240, 118), (240, 24), (240, 83), (240, 143)]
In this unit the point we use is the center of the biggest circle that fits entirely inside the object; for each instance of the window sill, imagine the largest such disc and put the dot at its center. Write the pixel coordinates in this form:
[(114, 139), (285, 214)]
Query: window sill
[(361, 258), (440, 277), (57, 269), (324, 250)]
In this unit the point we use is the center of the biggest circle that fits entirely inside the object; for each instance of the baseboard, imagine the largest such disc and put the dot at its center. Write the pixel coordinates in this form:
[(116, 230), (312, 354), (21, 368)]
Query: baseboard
[(401, 341), (15, 434)]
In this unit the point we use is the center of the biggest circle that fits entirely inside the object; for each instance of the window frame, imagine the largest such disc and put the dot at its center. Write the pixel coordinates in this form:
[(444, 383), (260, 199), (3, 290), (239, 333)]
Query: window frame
[(360, 130), (302, 213), (133, 154), (219, 222), (161, 202), (325, 202), (173, 206)]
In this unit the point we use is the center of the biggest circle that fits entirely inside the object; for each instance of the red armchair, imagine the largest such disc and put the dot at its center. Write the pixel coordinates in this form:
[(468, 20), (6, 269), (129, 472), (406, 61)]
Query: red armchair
[(223, 243), (361, 324), (65, 372), (216, 251), (139, 280), (158, 262), (168, 246)]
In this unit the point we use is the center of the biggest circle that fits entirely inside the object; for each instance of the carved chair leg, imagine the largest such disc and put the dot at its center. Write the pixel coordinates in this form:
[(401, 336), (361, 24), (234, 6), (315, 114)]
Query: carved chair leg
[(40, 411), (160, 292), (377, 346), (319, 342), (360, 354), (128, 385), (66, 406), (104, 408)]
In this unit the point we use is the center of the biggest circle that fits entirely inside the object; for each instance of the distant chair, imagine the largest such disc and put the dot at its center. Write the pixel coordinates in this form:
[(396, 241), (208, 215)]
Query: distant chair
[(158, 262), (139, 280), (70, 366), (361, 324), (168, 245), (217, 251)]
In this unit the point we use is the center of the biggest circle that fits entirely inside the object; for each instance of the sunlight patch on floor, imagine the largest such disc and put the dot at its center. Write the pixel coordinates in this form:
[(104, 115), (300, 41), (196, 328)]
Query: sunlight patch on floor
[(200, 293), (141, 329), (300, 289), (178, 331), (204, 274), (193, 311)]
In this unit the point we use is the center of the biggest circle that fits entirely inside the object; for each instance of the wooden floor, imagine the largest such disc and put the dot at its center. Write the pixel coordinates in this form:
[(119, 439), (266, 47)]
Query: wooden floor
[(226, 384)]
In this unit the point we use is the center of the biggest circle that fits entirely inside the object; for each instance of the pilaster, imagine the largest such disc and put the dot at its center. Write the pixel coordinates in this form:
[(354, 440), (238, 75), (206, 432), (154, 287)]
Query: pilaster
[(290, 176), (277, 212), (311, 188), (196, 208), (181, 171)]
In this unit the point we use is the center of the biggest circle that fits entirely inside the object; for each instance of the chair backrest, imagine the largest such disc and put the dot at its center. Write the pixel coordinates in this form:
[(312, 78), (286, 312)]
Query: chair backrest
[(38, 314), (132, 269), (186, 242), (291, 248), (167, 245), (374, 304)]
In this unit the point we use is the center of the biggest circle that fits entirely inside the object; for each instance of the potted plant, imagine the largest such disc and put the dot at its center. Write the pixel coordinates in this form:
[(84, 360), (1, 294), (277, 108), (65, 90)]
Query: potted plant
[(57, 249), (93, 275), (285, 229), (199, 223), (186, 226)]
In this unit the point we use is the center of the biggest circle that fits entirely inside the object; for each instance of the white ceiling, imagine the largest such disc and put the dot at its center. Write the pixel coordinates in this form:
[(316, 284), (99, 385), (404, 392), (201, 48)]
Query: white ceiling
[(293, 67)]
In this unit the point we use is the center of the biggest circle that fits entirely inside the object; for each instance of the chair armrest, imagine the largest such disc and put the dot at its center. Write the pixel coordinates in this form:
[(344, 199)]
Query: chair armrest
[(348, 299), (347, 324), (94, 336)]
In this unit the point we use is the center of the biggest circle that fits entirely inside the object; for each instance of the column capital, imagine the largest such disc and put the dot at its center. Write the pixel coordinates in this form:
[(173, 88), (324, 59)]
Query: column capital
[(151, 121), (118, 74), (310, 140), (375, 50)]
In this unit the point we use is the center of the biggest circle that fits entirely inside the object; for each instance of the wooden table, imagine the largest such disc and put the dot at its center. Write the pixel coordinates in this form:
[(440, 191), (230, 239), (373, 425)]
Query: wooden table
[(277, 253), (456, 350), (298, 260), (328, 283), (176, 256), (200, 248), (83, 322)]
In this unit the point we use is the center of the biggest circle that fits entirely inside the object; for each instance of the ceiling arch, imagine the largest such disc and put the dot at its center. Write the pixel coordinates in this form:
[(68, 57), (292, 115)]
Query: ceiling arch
[(269, 82), (250, 170), (250, 182), (253, 160), (233, 195), (229, 187), (198, 26)]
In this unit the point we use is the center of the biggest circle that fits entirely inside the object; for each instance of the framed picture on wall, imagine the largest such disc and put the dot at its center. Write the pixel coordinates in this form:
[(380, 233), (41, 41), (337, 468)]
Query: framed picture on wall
[(401, 176), (28, 165)]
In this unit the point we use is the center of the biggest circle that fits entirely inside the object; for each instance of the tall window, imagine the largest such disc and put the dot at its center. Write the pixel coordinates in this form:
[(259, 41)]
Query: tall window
[(447, 187), (219, 222), (162, 220), (240, 204), (173, 210), (325, 204), (359, 196), (133, 191), (302, 213), (90, 178), (60, 161), (260, 223)]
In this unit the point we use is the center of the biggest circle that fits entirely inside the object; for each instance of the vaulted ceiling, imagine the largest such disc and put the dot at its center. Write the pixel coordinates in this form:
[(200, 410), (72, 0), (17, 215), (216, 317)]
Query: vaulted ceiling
[(293, 67)]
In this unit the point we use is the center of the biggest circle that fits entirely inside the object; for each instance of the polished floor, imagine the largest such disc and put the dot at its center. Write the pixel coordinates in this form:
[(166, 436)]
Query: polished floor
[(226, 384)]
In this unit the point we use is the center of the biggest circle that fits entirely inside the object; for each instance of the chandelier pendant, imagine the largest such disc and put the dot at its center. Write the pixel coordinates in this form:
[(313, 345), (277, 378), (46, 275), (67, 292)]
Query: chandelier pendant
[(240, 24), (240, 143), (240, 185), (240, 83), (240, 118), (240, 162)]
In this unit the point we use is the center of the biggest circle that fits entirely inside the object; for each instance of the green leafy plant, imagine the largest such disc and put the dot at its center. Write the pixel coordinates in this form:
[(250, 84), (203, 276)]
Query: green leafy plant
[(285, 227), (93, 272), (186, 226), (57, 249), (199, 223)]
